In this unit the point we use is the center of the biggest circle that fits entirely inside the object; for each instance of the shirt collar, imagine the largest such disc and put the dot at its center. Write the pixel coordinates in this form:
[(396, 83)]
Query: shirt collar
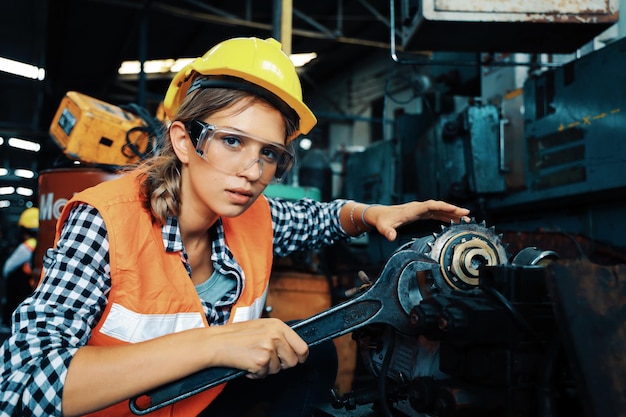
[(173, 242), (170, 232)]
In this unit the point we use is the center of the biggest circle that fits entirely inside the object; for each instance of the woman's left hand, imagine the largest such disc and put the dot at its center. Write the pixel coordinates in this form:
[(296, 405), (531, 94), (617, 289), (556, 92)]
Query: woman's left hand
[(387, 219)]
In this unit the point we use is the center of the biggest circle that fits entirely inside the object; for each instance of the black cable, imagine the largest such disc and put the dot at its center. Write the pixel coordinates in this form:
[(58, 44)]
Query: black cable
[(153, 130)]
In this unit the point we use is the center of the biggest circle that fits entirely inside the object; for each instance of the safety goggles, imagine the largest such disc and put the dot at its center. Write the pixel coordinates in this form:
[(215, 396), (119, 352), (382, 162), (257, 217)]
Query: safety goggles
[(233, 152)]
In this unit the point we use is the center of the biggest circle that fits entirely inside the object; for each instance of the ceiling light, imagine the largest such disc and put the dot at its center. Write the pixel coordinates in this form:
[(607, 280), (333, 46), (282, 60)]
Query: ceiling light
[(3, 172), (7, 190), (305, 144), (157, 66), (25, 191), (21, 172), (180, 64), (4, 203), (24, 144), (22, 69), (161, 66)]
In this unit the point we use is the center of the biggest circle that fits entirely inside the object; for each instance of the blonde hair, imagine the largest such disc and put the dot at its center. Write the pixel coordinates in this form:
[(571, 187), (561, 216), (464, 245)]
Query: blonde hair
[(160, 175)]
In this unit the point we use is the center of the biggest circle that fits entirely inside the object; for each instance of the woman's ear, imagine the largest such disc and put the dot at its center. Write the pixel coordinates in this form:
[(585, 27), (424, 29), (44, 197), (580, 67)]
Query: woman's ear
[(180, 141)]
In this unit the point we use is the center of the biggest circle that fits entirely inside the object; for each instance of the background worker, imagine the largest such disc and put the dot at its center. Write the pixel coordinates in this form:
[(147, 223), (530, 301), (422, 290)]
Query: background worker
[(17, 269), (164, 271)]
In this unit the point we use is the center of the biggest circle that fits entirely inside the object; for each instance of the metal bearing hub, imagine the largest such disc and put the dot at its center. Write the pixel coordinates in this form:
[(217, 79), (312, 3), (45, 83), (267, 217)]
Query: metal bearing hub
[(461, 249)]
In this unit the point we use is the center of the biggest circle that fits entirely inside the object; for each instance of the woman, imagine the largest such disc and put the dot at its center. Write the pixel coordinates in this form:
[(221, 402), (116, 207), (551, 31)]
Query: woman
[(164, 271)]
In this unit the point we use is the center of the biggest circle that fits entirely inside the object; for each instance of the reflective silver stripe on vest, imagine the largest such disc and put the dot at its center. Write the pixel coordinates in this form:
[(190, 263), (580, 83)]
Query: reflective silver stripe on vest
[(128, 326), (251, 312)]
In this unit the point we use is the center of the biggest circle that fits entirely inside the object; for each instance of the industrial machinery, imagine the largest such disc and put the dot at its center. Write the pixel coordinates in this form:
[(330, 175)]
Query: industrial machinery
[(482, 329), (544, 160), (455, 326), (493, 335)]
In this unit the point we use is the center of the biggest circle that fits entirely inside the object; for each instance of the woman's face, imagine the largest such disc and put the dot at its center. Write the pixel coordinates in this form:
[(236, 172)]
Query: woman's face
[(231, 177)]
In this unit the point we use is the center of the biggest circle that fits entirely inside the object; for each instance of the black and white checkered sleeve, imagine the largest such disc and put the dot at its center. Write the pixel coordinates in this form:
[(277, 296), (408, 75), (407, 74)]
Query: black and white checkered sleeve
[(305, 224), (51, 324)]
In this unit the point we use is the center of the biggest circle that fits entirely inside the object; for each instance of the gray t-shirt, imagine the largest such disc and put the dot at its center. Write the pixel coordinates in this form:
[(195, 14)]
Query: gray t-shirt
[(213, 289)]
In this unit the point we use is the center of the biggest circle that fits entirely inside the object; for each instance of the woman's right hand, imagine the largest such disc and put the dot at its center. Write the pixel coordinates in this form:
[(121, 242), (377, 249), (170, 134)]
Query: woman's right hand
[(260, 347)]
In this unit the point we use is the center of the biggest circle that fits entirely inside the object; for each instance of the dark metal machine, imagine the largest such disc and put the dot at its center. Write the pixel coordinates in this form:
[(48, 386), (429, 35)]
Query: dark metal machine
[(455, 326), (546, 159), (495, 335)]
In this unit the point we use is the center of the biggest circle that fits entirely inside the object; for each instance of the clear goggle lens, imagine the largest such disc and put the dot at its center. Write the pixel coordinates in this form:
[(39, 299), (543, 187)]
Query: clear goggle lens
[(233, 152)]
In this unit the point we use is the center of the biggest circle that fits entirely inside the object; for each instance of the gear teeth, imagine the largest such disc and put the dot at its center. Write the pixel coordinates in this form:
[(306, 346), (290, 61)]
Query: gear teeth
[(441, 247)]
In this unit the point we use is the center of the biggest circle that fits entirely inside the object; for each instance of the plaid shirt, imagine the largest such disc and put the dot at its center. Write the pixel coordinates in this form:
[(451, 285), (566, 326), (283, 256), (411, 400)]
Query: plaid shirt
[(59, 316)]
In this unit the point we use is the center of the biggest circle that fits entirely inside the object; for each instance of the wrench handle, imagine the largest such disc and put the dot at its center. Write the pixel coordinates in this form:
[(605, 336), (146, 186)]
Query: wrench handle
[(315, 330), (338, 320), (364, 309), (183, 388)]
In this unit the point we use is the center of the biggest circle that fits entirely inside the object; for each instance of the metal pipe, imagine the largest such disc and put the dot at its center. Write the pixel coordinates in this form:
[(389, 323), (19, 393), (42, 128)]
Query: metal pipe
[(286, 25), (143, 52)]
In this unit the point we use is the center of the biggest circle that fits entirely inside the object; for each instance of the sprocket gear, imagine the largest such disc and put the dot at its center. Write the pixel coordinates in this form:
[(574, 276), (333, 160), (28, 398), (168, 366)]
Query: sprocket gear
[(461, 249)]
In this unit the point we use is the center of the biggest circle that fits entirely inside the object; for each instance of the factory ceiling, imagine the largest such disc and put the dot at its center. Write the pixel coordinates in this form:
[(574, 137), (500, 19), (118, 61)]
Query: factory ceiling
[(81, 44)]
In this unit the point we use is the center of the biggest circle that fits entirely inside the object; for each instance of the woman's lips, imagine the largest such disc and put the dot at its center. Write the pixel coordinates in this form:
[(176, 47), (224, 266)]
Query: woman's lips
[(239, 196)]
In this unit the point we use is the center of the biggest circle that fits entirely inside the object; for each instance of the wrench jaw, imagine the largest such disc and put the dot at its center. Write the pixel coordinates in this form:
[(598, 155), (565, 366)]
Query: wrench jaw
[(409, 293), (395, 291)]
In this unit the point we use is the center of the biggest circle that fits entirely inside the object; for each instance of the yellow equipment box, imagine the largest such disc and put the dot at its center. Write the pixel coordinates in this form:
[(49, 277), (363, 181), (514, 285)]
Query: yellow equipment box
[(92, 131)]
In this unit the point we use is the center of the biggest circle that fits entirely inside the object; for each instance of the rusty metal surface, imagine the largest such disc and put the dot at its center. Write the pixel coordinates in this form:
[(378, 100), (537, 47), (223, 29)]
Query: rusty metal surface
[(567, 245), (579, 11), (590, 306), (534, 26)]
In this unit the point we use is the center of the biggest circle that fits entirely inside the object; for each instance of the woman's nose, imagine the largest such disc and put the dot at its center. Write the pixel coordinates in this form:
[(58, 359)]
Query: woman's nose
[(251, 172)]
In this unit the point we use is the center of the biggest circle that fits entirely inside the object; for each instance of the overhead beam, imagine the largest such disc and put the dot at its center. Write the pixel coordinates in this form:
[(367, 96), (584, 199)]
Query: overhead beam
[(286, 25), (226, 19)]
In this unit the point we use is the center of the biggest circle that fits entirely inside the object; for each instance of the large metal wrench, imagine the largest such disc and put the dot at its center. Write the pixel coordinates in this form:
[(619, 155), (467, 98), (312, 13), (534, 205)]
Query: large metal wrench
[(393, 295)]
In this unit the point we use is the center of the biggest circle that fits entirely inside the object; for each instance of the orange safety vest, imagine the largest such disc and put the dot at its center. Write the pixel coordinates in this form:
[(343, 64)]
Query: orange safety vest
[(151, 292)]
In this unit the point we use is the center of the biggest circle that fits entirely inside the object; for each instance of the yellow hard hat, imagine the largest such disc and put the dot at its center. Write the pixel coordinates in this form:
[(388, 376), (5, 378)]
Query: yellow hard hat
[(29, 219), (260, 62)]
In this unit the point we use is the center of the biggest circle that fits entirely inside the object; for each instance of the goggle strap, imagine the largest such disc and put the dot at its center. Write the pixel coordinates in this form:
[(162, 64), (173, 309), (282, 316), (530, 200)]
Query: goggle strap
[(195, 128)]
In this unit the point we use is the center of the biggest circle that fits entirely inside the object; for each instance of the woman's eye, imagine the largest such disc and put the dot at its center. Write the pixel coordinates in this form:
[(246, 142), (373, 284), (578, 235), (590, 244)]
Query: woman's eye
[(270, 154), (231, 141)]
